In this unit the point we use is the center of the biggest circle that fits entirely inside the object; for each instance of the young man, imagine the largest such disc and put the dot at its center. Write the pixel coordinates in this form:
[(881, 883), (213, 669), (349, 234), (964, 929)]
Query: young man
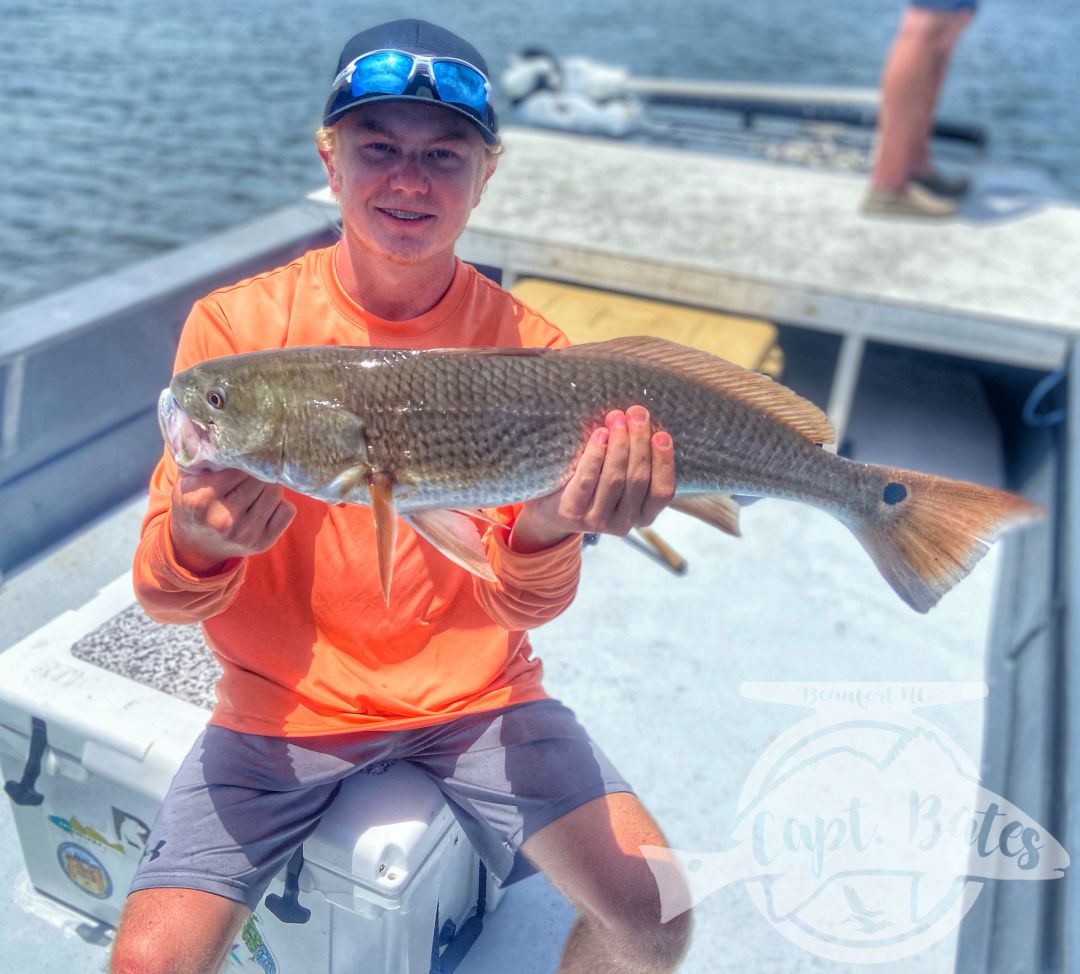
[(904, 181), (321, 678)]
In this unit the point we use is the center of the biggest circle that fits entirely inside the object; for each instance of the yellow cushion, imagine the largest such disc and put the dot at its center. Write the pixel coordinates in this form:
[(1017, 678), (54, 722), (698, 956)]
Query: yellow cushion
[(589, 315)]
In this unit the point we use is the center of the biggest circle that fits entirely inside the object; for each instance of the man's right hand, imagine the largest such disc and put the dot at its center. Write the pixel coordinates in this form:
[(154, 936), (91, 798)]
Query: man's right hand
[(222, 514)]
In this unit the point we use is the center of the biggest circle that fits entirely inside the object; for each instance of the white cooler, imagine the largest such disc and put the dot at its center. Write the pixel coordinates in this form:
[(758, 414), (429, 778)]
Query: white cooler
[(388, 882)]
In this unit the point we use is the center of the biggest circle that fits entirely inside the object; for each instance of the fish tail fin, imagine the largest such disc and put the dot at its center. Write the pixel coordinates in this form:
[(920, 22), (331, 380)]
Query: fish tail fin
[(929, 532)]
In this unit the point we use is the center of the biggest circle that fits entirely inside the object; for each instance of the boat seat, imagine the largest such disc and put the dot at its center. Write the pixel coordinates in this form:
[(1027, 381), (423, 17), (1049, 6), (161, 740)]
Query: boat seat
[(591, 315)]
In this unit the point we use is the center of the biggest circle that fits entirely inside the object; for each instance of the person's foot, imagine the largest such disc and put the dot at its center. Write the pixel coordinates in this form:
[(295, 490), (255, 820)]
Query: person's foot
[(912, 200), (939, 184)]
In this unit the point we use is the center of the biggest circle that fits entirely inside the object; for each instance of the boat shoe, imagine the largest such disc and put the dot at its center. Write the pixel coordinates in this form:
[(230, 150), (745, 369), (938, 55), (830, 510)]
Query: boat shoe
[(912, 200), (939, 184)]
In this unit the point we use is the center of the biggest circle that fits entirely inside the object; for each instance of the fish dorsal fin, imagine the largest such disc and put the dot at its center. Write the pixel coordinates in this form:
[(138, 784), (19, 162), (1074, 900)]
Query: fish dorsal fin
[(750, 388)]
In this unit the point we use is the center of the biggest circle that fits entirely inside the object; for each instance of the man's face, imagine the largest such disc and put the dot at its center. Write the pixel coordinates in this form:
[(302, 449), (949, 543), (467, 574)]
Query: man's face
[(407, 176)]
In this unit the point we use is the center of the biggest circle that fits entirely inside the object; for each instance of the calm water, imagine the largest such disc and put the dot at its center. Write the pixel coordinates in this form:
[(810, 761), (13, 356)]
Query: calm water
[(131, 126)]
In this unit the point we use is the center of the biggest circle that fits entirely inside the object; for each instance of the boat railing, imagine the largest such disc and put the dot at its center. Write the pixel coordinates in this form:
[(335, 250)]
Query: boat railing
[(80, 371), (843, 105)]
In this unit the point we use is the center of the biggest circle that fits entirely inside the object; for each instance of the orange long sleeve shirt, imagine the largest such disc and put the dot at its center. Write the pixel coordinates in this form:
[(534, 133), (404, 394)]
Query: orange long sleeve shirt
[(305, 641)]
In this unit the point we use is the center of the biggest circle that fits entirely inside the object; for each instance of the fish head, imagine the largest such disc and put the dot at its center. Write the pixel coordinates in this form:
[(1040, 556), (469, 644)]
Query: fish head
[(223, 413)]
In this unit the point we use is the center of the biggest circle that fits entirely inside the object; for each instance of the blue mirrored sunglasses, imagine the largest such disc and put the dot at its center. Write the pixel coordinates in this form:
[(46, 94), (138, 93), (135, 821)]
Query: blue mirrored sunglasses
[(391, 73)]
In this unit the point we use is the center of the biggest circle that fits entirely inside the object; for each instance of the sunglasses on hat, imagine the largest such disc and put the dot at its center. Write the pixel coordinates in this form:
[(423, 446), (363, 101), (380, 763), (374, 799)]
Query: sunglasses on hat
[(390, 72)]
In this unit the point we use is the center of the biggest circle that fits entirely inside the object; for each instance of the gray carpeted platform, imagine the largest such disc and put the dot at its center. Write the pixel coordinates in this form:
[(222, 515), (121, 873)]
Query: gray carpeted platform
[(173, 659)]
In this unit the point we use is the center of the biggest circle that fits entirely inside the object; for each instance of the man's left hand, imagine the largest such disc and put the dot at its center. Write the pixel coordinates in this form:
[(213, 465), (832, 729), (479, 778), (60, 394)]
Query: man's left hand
[(625, 477)]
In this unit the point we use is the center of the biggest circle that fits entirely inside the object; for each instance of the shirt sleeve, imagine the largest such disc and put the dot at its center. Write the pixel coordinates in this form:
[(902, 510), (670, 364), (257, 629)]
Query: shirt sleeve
[(167, 591), (529, 589)]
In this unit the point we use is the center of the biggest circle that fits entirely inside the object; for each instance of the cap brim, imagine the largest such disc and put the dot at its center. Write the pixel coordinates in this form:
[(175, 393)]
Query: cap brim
[(334, 116)]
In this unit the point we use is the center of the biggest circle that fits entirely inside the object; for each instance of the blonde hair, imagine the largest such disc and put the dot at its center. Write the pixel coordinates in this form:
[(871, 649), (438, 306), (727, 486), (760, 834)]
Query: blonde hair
[(326, 139)]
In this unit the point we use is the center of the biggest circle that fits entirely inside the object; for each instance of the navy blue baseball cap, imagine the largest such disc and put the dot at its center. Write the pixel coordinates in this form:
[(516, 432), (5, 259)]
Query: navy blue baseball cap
[(412, 60)]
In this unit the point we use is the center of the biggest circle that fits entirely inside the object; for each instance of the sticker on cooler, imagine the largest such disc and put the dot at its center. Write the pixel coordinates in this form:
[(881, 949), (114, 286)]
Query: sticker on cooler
[(251, 942), (74, 827), (84, 869)]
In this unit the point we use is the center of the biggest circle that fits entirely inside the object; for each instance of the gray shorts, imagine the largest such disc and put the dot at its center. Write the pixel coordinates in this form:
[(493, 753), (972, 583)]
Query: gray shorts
[(241, 803)]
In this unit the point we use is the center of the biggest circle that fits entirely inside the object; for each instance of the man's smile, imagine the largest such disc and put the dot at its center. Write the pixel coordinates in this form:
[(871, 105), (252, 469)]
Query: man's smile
[(407, 215)]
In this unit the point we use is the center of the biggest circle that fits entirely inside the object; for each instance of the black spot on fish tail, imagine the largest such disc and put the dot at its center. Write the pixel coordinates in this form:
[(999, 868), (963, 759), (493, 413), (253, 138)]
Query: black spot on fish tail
[(894, 493)]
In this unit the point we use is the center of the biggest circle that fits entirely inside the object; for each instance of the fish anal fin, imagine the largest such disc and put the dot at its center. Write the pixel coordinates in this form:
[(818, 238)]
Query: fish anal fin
[(717, 510), (455, 536), (381, 486), (724, 377)]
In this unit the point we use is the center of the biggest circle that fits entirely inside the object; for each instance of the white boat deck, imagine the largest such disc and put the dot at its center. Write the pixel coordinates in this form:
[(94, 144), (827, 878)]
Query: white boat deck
[(788, 243), (796, 598)]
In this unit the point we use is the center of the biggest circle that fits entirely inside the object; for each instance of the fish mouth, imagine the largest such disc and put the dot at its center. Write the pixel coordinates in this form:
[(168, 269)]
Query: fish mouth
[(188, 442)]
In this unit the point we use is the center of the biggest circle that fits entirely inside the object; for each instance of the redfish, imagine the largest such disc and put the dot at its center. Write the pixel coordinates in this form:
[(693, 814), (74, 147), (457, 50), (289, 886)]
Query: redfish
[(431, 435)]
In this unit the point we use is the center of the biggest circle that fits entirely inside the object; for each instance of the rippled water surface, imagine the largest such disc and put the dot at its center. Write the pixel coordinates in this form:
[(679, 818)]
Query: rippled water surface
[(131, 126)]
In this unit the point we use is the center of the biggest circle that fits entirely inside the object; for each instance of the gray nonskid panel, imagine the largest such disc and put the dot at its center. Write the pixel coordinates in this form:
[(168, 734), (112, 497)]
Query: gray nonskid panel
[(172, 659)]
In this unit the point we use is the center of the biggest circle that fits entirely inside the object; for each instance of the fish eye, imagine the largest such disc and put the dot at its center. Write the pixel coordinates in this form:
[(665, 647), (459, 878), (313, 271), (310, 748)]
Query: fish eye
[(216, 398)]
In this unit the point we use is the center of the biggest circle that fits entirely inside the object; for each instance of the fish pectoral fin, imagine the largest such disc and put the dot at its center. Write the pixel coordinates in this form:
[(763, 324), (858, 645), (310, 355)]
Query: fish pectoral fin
[(454, 535), (381, 486), (347, 481), (717, 510)]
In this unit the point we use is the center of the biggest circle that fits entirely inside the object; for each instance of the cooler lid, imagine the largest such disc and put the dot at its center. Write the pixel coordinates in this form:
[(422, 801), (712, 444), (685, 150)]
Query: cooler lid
[(381, 828)]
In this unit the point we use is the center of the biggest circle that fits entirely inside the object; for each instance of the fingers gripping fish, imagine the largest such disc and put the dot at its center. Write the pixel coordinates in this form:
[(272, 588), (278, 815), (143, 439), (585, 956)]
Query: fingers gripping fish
[(428, 435)]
